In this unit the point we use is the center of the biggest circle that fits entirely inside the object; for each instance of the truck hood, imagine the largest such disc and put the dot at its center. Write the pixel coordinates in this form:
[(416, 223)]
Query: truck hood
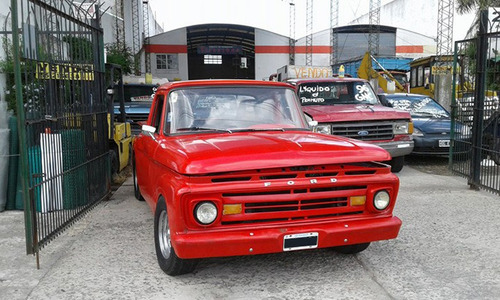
[(433, 126), (214, 153), (353, 112)]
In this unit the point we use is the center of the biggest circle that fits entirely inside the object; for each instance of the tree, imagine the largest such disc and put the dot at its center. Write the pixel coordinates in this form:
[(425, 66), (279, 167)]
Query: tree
[(80, 49), (120, 55), (465, 6)]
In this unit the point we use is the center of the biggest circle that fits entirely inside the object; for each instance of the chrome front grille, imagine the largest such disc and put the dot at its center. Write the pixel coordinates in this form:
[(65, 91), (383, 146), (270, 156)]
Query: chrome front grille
[(298, 193), (364, 131), (295, 205)]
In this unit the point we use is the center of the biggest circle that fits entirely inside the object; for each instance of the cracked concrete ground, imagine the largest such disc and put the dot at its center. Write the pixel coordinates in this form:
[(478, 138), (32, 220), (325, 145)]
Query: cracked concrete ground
[(448, 248)]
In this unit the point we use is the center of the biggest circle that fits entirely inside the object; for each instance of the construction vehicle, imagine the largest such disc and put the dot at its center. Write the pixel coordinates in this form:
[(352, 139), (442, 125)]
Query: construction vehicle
[(383, 78), (119, 130)]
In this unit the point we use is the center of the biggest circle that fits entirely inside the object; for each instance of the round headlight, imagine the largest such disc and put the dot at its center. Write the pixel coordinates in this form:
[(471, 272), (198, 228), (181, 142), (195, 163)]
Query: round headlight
[(205, 212), (381, 200)]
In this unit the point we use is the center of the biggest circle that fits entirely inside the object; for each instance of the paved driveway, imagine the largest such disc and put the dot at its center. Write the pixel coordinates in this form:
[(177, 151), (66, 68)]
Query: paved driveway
[(448, 248)]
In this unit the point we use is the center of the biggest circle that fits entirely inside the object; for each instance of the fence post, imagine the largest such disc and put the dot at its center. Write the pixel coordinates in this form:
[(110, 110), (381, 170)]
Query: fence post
[(479, 93), (23, 149)]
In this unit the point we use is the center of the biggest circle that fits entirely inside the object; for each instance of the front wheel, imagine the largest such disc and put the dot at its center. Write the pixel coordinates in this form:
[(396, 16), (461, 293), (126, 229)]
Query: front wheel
[(169, 262), (351, 249), (397, 164), (137, 190)]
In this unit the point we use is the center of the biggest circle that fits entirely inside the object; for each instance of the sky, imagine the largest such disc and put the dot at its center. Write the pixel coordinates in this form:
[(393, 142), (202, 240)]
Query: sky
[(271, 15)]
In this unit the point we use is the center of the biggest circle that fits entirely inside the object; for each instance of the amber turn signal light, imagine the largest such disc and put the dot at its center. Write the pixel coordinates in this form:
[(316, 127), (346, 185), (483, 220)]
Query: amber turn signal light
[(231, 209)]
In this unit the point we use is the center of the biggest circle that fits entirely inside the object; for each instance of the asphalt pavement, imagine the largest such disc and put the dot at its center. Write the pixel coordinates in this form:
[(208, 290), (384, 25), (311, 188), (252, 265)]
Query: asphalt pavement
[(448, 248)]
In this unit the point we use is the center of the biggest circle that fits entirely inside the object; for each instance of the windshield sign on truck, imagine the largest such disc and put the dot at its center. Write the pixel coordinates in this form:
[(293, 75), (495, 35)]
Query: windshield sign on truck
[(330, 93)]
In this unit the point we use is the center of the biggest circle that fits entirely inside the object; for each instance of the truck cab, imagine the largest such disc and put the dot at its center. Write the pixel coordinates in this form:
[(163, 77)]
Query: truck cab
[(349, 107)]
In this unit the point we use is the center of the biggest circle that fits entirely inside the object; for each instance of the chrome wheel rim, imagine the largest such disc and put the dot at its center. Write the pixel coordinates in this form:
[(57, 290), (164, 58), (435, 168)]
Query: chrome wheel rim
[(164, 235), (135, 181), (134, 175)]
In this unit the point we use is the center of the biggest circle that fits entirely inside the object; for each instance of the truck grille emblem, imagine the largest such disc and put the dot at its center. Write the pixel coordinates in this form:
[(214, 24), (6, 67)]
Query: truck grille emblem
[(267, 183), (290, 182), (333, 180), (314, 181), (363, 132)]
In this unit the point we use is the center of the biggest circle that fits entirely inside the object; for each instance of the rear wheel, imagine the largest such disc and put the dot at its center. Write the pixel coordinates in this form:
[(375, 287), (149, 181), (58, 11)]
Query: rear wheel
[(168, 260), (397, 164), (351, 249), (137, 190)]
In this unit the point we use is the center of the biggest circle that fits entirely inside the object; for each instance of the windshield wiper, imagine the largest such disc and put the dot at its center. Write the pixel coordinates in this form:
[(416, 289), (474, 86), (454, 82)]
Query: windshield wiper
[(194, 128), (423, 114)]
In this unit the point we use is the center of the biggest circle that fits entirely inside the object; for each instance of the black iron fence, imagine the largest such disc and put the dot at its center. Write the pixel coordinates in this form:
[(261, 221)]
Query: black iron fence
[(56, 49), (476, 108)]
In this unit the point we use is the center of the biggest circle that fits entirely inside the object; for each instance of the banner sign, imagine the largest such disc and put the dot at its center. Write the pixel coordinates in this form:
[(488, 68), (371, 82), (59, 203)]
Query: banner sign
[(220, 50), (45, 70)]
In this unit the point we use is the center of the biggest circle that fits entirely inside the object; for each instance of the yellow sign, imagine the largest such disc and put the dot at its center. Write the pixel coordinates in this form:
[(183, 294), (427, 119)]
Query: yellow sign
[(441, 70), (45, 70)]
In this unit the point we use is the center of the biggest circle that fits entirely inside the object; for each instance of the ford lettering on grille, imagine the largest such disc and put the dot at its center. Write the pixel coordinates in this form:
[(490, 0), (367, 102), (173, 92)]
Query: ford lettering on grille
[(363, 132)]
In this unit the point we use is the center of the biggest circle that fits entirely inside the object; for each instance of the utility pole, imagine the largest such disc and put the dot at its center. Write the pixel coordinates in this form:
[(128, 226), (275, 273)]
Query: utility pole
[(334, 22), (445, 28), (374, 33), (440, 74), (120, 24), (136, 36), (291, 41), (145, 39), (309, 33)]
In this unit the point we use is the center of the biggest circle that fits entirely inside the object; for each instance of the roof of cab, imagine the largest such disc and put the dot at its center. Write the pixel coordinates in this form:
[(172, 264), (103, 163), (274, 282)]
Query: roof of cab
[(328, 79), (220, 82)]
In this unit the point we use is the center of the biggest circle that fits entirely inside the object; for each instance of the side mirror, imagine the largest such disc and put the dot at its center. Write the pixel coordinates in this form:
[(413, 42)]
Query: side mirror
[(313, 123), (149, 130)]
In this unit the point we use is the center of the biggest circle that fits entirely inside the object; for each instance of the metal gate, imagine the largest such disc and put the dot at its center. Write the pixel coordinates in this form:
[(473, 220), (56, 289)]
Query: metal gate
[(476, 154), (58, 54)]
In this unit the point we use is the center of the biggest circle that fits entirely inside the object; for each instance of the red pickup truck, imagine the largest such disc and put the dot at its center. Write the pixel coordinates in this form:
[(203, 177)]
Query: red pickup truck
[(231, 167), (349, 107)]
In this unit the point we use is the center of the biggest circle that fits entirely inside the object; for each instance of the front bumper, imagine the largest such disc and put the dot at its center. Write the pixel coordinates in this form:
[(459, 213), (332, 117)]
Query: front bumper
[(400, 148), (219, 243), (433, 146)]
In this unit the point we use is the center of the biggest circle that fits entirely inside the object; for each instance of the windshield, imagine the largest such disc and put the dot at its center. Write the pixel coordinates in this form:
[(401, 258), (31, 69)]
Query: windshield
[(419, 106), (232, 108), (138, 92), (331, 93), (400, 77)]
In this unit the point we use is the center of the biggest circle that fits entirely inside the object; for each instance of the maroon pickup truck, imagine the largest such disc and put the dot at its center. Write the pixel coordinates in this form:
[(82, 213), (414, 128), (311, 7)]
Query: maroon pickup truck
[(349, 107)]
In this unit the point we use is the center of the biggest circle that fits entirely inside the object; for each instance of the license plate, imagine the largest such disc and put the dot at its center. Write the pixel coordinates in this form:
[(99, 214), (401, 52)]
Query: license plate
[(300, 241), (444, 143)]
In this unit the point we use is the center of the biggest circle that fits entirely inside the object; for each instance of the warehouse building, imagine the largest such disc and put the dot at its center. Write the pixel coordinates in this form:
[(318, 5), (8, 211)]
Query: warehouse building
[(237, 51)]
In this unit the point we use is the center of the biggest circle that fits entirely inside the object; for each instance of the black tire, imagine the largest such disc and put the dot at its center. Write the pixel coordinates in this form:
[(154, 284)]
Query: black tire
[(397, 164), (168, 260), (115, 164), (137, 190), (351, 249)]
